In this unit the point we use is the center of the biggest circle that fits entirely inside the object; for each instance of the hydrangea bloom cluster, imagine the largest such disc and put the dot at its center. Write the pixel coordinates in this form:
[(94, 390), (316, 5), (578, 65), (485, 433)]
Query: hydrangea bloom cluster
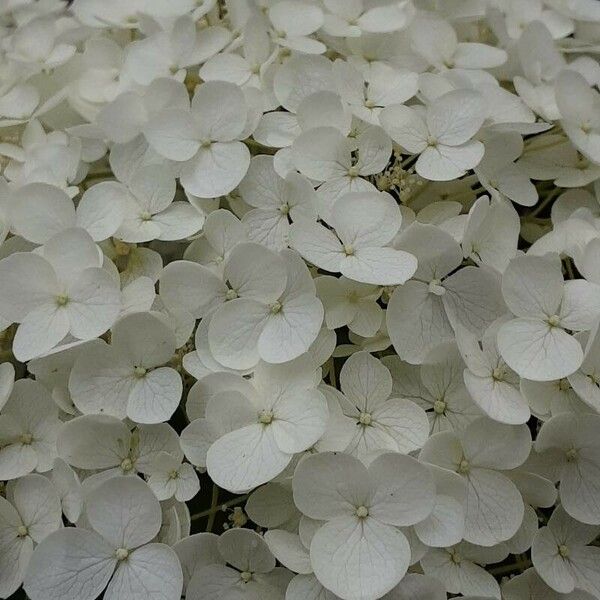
[(300, 299)]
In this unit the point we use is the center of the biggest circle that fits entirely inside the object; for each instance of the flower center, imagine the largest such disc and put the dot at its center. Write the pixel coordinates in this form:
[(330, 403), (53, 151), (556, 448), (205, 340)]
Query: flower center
[(498, 374), (231, 295), (275, 307), (571, 455), (564, 385), (348, 250), (174, 474), (246, 576), (369, 103), (22, 531), (139, 372), (265, 417), (463, 466), (26, 438), (455, 557), (439, 407), (563, 550), (553, 321), (146, 216), (353, 171), (362, 512), (121, 553), (435, 287), (432, 142), (365, 418), (62, 300), (284, 209), (126, 465)]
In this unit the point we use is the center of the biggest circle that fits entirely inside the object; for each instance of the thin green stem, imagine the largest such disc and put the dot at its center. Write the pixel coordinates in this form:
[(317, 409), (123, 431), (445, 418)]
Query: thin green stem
[(206, 513), (213, 508)]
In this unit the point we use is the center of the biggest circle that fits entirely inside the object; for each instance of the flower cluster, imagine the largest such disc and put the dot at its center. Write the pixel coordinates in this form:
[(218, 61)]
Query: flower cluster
[(300, 299)]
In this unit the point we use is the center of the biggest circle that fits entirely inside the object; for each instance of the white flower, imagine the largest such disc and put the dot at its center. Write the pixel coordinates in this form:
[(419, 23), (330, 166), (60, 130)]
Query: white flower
[(252, 572), (325, 154), (457, 568), (422, 313), (480, 453), (168, 52), (435, 39), (276, 201), (359, 552), (351, 19), (60, 290), (124, 516), (169, 477), (535, 344), (491, 234), (126, 378), (39, 211), (148, 208), (500, 175), (437, 385), (246, 70), (569, 441), (32, 514), (272, 313), (29, 426), (579, 104), (562, 557), (280, 415), (442, 136), (381, 422), (381, 86), (364, 223), (95, 442), (350, 303), (205, 139), (493, 386), (294, 21)]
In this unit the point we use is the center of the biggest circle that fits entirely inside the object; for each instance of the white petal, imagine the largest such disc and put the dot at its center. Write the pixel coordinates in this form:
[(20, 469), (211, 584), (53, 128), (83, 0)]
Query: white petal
[(404, 490), (93, 442), (494, 508), (100, 211), (456, 117), (94, 303), (288, 550), (299, 420), (493, 445), (173, 134), (217, 170), (317, 244), (533, 286), (70, 564), (290, 332), (359, 559), (255, 272), (234, 332), (20, 295), (329, 484), (152, 571), (537, 351), (245, 458), (155, 397), (124, 511), (379, 266), (445, 163), (416, 321), (40, 211)]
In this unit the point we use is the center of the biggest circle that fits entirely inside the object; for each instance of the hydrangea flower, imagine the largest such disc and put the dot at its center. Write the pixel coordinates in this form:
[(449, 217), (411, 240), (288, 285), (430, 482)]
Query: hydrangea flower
[(120, 552)]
